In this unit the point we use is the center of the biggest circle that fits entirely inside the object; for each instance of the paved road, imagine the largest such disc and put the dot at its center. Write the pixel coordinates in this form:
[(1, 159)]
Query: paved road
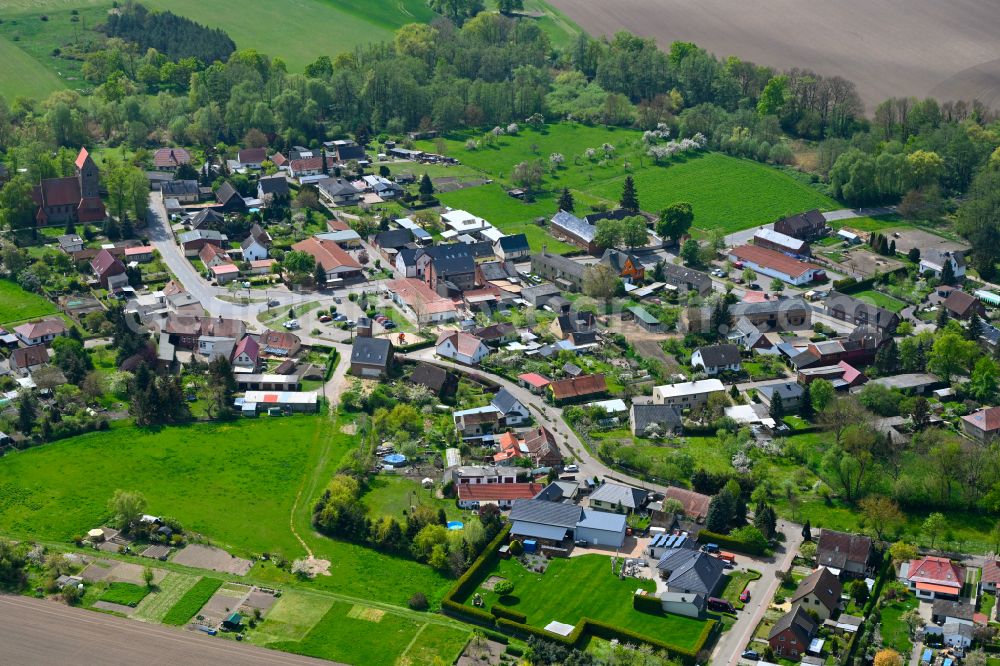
[(732, 643), (35, 631), (548, 416)]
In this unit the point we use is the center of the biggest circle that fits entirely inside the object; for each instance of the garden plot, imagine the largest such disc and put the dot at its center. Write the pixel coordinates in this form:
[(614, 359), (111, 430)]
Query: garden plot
[(227, 599), (209, 557), (906, 239), (862, 261)]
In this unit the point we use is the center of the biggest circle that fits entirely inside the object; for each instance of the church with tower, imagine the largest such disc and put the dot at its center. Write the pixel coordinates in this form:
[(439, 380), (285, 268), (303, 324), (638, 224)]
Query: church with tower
[(75, 198)]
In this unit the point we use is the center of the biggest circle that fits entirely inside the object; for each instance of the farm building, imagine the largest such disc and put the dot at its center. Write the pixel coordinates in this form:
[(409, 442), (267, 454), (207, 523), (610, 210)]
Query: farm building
[(775, 264), (289, 401)]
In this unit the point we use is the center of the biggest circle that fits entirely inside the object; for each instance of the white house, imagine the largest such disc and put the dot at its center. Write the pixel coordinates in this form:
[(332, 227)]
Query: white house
[(935, 260), (211, 346), (687, 394), (716, 358), (463, 222), (253, 248), (461, 347), (776, 264), (40, 332), (513, 412)]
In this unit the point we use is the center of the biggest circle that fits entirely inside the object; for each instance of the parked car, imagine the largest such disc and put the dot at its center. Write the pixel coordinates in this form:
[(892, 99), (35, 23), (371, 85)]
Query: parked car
[(291, 324), (340, 317), (745, 596), (754, 286), (751, 654), (571, 468), (581, 542), (338, 300), (325, 318), (273, 303), (388, 323)]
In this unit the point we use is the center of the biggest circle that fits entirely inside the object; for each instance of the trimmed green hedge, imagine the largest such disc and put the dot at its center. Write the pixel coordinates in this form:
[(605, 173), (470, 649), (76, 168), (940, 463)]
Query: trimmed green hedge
[(468, 582), (467, 613), (728, 543), (499, 610), (645, 603)]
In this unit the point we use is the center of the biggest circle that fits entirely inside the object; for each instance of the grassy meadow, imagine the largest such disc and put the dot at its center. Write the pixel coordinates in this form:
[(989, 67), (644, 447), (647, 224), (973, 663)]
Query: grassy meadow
[(727, 193), (18, 305)]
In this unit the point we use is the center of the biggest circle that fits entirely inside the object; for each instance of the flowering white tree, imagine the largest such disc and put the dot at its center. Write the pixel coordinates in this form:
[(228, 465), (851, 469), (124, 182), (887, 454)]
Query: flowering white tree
[(471, 144), (513, 128), (555, 159), (608, 149), (590, 154), (497, 131)]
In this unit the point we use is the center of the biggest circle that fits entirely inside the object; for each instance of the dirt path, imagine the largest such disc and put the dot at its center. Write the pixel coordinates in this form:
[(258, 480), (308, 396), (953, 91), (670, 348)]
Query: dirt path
[(313, 565)]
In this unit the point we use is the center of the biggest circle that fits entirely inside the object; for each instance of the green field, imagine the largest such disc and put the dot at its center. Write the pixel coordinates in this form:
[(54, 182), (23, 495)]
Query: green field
[(394, 495), (727, 193), (895, 633), (23, 76), (192, 601), (17, 305), (167, 593), (881, 300), (235, 483), (557, 595)]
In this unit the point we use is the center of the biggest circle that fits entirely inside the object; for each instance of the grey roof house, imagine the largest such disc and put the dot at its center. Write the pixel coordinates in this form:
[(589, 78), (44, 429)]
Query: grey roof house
[(618, 499), (370, 357), (791, 394), (665, 418), (690, 571)]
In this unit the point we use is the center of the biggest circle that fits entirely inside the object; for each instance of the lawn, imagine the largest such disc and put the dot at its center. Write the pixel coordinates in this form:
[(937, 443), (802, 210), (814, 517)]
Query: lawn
[(895, 633), (192, 601), (881, 300), (126, 594), (704, 450), (347, 632), (17, 305), (557, 595), (726, 193), (393, 496), (735, 583)]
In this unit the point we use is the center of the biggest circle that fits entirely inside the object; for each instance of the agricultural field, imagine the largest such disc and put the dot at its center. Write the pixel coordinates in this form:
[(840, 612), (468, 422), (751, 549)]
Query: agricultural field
[(126, 594), (23, 76), (555, 595), (167, 593), (956, 58), (192, 601), (345, 634), (727, 193), (18, 305)]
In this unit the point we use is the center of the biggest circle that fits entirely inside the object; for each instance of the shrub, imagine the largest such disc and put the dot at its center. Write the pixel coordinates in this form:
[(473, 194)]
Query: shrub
[(516, 548), (418, 601), (504, 587), (647, 603)]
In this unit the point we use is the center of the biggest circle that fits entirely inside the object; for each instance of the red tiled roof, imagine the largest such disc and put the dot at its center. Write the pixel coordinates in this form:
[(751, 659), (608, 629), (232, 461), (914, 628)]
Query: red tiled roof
[(327, 254), (338, 225), (936, 571), (81, 158), (987, 420), (695, 504), (171, 157), (486, 492), (575, 387), (279, 159), (29, 357), (37, 329), (991, 571), (465, 343), (251, 155), (138, 249), (772, 259), (249, 346), (225, 269)]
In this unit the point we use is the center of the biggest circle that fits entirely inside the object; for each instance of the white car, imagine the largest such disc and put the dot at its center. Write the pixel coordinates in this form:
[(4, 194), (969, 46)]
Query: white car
[(291, 324), (571, 468)]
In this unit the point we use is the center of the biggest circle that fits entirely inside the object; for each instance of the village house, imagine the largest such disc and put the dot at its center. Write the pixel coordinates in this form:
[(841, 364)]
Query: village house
[(716, 358), (256, 245), (552, 523), (512, 247), (646, 419), (486, 474), (168, 159), (371, 357), (246, 355), (251, 158), (206, 218), (855, 311), (336, 263), (511, 410), (791, 634), (574, 323), (25, 360), (577, 389), (271, 189), (858, 348), (496, 335), (982, 425), (933, 261), (186, 331), (805, 226), (70, 243), (109, 270), (694, 504), (76, 198), (183, 191), (565, 273), (991, 576), (139, 253), (213, 255), (687, 279), (40, 332), (461, 347), (687, 395), (503, 495), (193, 241), (618, 499), (225, 273), (534, 382), (338, 192), (820, 593), (626, 265), (420, 303), (439, 381), (477, 422), (791, 393), (448, 269), (786, 314), (690, 571), (961, 305), (279, 343), (932, 578), (776, 264), (229, 199), (850, 555)]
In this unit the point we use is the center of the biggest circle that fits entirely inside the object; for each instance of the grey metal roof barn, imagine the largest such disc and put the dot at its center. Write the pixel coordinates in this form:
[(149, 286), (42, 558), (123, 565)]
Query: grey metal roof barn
[(690, 571), (627, 496), (549, 513)]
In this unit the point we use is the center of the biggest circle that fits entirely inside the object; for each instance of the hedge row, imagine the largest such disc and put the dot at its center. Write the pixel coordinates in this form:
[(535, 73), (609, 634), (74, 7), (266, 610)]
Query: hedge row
[(468, 582), (729, 543), (611, 632), (499, 610), (416, 346), (467, 613), (647, 603)]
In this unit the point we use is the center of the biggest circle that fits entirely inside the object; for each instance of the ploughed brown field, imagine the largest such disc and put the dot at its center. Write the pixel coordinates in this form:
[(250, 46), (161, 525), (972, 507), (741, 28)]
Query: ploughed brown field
[(948, 49)]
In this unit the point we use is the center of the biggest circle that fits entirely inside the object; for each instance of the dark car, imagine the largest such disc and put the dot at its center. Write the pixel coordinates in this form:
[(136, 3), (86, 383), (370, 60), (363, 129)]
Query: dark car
[(751, 654), (754, 286), (581, 542)]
